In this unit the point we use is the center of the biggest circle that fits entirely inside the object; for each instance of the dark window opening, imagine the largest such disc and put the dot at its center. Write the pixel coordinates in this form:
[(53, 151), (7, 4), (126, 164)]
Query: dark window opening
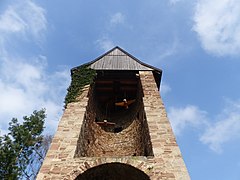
[(113, 171), (118, 129)]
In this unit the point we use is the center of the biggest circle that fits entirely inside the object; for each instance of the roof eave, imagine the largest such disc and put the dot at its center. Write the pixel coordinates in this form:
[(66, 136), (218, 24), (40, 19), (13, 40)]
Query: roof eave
[(117, 47)]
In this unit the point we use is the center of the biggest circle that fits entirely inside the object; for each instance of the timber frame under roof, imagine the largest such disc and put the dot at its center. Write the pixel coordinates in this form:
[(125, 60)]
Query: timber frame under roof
[(118, 59)]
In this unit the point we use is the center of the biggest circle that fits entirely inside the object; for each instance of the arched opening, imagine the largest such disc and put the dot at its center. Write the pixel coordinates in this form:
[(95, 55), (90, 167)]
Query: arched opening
[(113, 171), (116, 95), (112, 130)]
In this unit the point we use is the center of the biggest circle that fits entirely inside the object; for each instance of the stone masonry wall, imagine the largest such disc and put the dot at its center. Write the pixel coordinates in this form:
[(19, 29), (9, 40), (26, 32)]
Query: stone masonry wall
[(94, 141), (165, 162), (165, 149)]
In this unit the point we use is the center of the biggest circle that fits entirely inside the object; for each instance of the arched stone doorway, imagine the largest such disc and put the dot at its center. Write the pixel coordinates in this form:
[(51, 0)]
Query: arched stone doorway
[(113, 171)]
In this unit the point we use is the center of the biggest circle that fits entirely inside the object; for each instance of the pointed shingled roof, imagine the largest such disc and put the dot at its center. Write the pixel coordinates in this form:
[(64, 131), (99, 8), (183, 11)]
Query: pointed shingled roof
[(118, 59)]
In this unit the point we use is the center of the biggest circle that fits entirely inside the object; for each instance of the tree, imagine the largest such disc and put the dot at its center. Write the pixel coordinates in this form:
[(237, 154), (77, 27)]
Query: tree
[(20, 148), (37, 157)]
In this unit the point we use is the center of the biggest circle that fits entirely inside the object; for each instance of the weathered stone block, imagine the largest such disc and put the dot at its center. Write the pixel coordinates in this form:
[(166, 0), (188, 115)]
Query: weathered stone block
[(146, 142)]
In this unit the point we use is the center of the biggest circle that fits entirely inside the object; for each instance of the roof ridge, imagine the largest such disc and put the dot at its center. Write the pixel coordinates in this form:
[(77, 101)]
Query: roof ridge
[(108, 53)]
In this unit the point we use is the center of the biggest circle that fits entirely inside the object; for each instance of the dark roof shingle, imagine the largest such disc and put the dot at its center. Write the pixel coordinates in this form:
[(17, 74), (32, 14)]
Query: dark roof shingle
[(118, 59)]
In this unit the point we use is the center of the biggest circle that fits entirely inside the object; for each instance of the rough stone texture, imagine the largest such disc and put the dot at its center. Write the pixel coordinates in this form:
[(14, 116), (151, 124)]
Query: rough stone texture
[(113, 171), (169, 162), (101, 141), (157, 153)]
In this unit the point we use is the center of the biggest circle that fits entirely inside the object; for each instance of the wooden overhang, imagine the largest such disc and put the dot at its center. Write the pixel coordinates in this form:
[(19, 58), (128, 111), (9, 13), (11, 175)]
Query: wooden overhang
[(118, 59)]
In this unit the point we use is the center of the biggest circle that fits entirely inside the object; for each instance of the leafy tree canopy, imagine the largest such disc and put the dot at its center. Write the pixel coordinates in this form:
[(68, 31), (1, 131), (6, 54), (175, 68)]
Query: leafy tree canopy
[(20, 145)]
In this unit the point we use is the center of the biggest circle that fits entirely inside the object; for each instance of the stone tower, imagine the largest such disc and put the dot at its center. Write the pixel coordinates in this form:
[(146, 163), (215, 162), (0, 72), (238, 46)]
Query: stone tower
[(116, 128)]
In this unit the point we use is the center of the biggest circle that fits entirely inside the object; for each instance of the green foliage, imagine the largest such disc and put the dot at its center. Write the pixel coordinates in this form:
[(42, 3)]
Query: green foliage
[(17, 147), (37, 157), (81, 76)]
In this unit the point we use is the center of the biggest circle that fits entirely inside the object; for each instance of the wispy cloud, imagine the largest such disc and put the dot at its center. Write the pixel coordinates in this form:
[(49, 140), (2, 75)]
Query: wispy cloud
[(226, 128), (186, 117), (218, 27), (173, 2), (170, 50), (164, 88), (105, 43), (23, 18), (25, 87), (117, 18), (25, 83)]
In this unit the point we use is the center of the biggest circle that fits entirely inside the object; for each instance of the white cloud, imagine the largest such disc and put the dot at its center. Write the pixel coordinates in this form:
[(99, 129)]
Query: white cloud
[(226, 128), (189, 116), (11, 21), (25, 83), (23, 18), (117, 18), (173, 2), (164, 88), (170, 50), (218, 27), (25, 87), (105, 44)]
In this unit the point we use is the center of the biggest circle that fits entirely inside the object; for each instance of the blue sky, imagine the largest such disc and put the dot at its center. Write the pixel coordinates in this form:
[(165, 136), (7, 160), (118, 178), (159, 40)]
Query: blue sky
[(195, 42)]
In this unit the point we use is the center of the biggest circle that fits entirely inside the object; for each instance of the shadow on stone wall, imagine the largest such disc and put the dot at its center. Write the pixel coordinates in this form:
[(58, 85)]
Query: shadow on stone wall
[(127, 135), (113, 171)]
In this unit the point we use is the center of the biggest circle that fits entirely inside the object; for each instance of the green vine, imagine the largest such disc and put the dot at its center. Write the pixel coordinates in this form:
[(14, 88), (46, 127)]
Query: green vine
[(81, 77)]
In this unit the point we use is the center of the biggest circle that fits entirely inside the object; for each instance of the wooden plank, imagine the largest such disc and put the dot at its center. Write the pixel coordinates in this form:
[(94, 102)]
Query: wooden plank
[(118, 61), (120, 81)]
